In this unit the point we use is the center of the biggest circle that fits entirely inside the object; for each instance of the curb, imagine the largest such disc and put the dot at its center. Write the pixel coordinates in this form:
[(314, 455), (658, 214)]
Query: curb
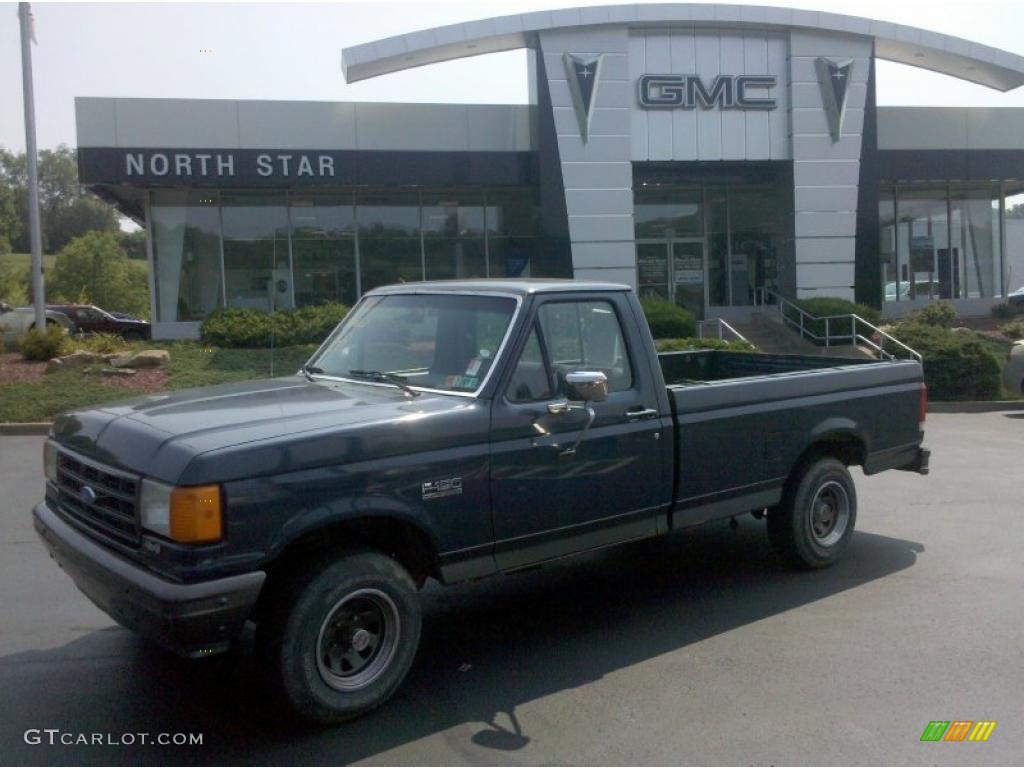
[(25, 428), (975, 406)]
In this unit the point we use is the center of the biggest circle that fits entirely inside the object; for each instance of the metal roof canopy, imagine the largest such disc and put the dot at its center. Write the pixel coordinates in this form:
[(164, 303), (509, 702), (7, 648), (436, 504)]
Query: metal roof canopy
[(920, 48)]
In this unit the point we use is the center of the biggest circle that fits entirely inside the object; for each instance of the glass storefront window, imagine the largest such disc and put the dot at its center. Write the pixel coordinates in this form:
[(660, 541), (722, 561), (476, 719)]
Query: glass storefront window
[(737, 226), (453, 235), (185, 230), (290, 249), (941, 242), (756, 219), (323, 249), (511, 223), (389, 238), (668, 213), (1014, 223), (388, 215), (257, 263), (974, 267), (718, 247), (887, 244)]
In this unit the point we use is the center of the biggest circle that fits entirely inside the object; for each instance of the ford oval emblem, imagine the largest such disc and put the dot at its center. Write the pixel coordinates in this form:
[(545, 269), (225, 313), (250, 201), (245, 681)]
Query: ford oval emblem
[(87, 495)]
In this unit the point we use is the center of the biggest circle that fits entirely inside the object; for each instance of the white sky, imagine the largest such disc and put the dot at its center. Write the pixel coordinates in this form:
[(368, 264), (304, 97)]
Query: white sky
[(277, 51)]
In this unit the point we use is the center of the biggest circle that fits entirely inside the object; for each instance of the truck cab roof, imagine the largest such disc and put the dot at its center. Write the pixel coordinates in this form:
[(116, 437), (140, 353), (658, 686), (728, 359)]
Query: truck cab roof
[(520, 287)]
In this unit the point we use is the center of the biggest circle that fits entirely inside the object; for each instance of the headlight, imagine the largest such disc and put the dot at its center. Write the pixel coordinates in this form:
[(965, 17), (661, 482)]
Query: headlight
[(50, 461), (188, 514)]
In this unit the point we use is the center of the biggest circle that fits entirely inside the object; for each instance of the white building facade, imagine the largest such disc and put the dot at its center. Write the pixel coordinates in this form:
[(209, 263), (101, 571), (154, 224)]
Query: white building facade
[(697, 152)]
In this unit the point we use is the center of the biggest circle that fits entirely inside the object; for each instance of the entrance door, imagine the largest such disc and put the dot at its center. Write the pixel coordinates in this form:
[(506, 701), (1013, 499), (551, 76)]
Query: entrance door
[(674, 270)]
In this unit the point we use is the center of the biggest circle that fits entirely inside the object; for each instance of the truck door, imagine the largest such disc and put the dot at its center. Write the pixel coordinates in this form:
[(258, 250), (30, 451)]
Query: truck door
[(548, 501)]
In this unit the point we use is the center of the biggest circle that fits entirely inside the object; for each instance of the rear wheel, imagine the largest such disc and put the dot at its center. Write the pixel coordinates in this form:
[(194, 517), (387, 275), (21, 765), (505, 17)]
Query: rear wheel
[(812, 526), (339, 638)]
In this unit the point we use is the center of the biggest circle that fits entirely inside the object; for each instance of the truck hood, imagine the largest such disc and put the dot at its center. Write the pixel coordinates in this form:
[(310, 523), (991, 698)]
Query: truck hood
[(253, 428)]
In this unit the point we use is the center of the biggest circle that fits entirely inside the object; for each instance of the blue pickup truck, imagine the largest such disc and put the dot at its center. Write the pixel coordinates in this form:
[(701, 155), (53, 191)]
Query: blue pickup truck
[(448, 431)]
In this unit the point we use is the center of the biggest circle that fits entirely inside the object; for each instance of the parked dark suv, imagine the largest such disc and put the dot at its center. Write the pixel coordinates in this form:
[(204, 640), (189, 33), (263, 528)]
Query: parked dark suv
[(89, 318)]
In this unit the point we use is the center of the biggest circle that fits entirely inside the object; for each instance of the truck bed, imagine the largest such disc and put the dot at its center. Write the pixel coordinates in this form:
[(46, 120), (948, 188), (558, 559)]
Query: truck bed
[(742, 420), (702, 366)]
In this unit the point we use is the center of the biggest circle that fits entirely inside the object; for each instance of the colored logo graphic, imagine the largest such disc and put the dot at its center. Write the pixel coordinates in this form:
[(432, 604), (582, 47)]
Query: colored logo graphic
[(958, 730)]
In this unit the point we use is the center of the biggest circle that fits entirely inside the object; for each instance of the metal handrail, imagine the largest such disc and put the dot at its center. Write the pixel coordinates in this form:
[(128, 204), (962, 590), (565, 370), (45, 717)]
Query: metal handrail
[(854, 337), (721, 327)]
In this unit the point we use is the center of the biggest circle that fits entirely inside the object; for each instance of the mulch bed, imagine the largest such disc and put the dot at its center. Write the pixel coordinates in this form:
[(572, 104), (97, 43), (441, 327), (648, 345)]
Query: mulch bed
[(15, 370)]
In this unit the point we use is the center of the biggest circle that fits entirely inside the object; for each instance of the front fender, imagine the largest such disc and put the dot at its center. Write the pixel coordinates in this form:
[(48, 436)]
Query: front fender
[(267, 514)]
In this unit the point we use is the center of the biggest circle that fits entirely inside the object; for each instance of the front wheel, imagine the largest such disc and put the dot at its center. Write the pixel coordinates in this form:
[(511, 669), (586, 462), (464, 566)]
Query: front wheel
[(812, 526), (341, 636)]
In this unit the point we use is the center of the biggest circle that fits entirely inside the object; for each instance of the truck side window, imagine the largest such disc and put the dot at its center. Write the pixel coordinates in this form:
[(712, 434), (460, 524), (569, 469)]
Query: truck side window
[(586, 335), (531, 379)]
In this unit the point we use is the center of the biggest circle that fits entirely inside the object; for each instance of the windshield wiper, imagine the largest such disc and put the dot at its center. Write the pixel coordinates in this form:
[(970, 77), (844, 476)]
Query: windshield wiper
[(385, 378), (309, 370)]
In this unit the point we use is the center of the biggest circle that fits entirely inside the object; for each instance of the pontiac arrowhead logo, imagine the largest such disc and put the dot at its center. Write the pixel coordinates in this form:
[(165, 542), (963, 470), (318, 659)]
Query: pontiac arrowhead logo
[(582, 75), (834, 79)]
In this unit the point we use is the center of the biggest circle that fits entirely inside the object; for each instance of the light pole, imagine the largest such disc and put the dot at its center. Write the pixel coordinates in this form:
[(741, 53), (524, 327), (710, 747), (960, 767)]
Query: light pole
[(31, 155)]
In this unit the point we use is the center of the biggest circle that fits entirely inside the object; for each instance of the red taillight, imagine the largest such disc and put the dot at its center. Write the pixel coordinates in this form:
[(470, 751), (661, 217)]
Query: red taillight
[(922, 404)]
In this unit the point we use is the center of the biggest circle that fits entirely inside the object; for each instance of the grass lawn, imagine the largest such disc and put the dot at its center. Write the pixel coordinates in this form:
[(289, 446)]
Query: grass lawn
[(191, 365)]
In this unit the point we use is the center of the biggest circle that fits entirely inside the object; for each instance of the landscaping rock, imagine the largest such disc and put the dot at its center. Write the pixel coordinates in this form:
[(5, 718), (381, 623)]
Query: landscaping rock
[(151, 358), (147, 358), (55, 364), (81, 359), (118, 371)]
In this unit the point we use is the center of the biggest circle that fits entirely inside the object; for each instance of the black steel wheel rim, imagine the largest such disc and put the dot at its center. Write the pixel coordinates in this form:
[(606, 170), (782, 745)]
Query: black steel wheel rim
[(358, 639)]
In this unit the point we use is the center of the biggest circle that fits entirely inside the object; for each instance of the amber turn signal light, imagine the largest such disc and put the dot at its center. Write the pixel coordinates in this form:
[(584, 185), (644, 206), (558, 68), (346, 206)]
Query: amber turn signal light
[(195, 514)]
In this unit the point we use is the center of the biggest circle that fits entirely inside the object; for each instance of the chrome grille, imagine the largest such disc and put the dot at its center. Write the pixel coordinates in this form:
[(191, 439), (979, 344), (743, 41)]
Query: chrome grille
[(102, 499)]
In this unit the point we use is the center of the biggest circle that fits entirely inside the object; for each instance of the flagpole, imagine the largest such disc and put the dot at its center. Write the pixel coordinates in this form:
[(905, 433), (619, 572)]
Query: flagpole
[(31, 154)]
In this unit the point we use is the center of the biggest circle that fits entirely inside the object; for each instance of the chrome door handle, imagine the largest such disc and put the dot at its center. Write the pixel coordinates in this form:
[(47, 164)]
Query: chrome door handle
[(637, 414)]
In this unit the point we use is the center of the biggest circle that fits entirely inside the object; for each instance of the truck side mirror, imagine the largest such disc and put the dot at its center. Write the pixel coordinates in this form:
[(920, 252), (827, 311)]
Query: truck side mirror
[(587, 386)]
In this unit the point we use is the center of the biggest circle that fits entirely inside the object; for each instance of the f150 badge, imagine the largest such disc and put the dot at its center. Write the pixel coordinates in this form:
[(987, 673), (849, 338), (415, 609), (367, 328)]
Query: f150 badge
[(436, 489)]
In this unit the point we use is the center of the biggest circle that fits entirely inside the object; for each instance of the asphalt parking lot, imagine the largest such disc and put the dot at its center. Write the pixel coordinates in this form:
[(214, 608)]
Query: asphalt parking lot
[(695, 648)]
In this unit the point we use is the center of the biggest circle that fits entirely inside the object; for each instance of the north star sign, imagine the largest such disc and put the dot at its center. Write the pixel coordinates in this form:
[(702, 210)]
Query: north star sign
[(690, 92), (184, 165)]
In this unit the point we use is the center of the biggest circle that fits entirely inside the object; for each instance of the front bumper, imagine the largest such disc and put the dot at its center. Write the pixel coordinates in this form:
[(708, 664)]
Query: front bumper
[(189, 619)]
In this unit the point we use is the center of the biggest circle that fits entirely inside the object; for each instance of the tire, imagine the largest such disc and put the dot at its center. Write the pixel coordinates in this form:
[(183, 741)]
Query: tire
[(812, 526), (363, 604), (132, 336)]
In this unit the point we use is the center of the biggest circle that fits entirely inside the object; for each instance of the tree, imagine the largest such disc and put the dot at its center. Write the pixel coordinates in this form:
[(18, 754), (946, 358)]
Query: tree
[(93, 268), (134, 244), (82, 214), (65, 212), (10, 222)]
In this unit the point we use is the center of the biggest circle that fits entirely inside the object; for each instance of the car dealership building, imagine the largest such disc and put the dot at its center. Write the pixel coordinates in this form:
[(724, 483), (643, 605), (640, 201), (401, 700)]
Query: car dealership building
[(695, 151)]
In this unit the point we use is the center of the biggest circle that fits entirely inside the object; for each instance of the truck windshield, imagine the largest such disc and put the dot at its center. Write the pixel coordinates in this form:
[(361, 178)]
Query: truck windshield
[(436, 341)]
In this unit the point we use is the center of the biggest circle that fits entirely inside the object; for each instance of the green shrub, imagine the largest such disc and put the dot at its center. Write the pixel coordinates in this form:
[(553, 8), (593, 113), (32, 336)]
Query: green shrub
[(958, 364), (667, 320), (100, 343), (43, 345), (682, 345), (244, 327), (829, 306), (939, 314), (1013, 330), (1007, 311)]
